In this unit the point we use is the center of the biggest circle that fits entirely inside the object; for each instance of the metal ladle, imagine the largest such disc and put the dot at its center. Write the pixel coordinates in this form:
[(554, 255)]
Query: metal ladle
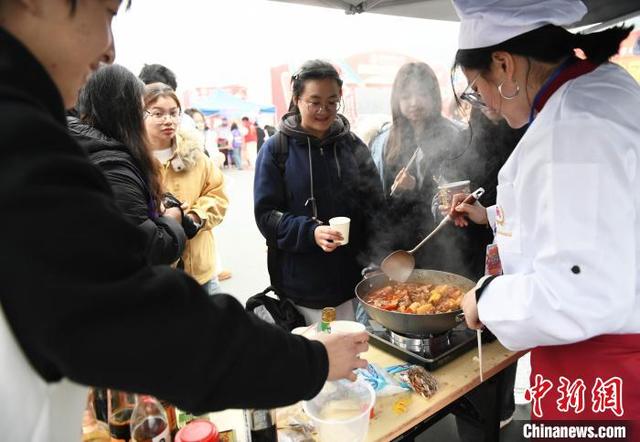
[(399, 265)]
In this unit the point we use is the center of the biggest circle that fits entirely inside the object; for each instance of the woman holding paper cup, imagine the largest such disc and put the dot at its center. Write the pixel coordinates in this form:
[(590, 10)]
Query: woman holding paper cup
[(566, 221), (316, 197)]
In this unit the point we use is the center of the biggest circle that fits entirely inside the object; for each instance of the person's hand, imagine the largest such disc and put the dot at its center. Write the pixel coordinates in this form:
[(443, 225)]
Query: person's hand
[(326, 238), (185, 206), (475, 212), (343, 350), (404, 181), (175, 213), (470, 309)]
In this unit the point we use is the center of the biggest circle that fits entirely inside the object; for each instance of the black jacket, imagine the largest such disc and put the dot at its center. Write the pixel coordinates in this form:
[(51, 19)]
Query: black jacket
[(80, 297), (165, 236), (345, 183)]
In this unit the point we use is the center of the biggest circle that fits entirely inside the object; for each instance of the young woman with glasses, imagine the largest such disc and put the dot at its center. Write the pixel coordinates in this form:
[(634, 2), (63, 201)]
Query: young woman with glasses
[(189, 175), (111, 129), (326, 172)]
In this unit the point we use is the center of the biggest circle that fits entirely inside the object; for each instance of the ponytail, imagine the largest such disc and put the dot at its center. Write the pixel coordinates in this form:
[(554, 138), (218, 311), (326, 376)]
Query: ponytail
[(599, 47)]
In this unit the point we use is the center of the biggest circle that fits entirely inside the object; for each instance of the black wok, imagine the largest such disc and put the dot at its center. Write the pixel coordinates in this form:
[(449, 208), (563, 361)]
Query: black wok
[(409, 323)]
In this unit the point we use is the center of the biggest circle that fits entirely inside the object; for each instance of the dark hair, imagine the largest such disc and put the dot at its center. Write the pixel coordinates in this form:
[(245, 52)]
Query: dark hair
[(156, 73), (245, 118), (234, 126), (311, 70), (550, 44), (111, 101), (401, 131)]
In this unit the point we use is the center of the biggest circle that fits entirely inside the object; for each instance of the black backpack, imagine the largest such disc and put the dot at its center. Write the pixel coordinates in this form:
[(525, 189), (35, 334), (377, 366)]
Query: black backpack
[(275, 310)]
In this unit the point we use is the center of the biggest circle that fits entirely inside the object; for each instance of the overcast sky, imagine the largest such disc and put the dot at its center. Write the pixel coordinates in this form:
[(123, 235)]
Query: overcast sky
[(220, 42)]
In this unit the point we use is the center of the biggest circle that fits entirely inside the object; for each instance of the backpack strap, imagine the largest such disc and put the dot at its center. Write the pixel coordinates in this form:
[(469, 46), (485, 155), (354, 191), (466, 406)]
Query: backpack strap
[(281, 151), (280, 154)]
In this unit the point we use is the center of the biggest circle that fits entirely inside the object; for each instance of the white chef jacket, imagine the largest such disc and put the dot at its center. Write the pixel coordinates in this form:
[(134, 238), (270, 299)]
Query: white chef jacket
[(567, 219)]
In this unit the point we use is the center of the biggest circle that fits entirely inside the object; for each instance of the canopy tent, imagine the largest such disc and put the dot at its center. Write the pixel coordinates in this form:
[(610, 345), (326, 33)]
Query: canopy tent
[(601, 12), (223, 103)]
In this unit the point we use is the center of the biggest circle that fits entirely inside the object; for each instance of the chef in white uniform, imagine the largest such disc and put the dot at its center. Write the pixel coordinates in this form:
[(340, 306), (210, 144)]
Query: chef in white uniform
[(567, 218)]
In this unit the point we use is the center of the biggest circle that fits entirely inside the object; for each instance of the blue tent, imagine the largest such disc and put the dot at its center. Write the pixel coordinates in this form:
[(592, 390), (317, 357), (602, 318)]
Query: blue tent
[(224, 103)]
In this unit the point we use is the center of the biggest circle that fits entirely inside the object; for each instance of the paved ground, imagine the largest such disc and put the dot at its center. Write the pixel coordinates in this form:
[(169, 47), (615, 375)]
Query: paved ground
[(244, 253)]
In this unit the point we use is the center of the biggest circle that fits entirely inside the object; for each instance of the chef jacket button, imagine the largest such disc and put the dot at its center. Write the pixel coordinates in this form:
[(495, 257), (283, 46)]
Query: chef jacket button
[(575, 269)]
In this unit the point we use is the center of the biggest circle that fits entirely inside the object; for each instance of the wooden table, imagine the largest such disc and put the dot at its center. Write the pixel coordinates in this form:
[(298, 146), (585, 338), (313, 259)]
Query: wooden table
[(455, 379)]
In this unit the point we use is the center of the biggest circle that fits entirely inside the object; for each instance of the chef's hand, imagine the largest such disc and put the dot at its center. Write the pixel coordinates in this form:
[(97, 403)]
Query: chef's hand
[(175, 213), (470, 309), (326, 238), (343, 350), (475, 212), (404, 181)]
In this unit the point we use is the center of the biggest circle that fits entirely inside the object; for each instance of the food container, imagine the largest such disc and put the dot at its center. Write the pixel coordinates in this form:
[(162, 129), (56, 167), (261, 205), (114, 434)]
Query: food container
[(199, 430), (341, 411)]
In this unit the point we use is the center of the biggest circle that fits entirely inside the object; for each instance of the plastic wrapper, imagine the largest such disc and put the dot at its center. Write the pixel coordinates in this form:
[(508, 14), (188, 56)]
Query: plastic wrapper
[(414, 377), (383, 384)]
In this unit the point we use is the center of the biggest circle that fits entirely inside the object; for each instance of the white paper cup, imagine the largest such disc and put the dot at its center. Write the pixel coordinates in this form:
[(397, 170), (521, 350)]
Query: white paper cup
[(341, 224), (342, 326)]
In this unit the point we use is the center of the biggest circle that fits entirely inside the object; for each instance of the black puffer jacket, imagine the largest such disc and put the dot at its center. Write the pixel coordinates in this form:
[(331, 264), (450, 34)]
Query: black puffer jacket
[(165, 237)]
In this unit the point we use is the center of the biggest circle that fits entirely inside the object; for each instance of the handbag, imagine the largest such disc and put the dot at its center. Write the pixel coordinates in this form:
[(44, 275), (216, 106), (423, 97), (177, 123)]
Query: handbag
[(275, 309)]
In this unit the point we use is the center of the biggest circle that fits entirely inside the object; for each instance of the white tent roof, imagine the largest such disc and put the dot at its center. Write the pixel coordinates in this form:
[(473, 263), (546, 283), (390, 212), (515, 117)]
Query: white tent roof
[(600, 11)]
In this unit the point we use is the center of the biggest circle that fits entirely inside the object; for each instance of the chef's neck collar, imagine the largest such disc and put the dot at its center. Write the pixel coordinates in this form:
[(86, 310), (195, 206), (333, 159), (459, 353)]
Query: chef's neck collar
[(571, 68)]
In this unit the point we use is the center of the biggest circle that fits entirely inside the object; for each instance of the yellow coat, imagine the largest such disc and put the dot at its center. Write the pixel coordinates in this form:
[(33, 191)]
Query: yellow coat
[(194, 179)]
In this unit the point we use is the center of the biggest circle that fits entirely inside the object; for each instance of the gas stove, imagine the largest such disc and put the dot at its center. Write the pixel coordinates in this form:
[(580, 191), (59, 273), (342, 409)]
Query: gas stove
[(430, 351)]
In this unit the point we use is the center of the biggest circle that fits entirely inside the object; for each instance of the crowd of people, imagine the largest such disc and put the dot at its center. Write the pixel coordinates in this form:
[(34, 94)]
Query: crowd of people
[(130, 187)]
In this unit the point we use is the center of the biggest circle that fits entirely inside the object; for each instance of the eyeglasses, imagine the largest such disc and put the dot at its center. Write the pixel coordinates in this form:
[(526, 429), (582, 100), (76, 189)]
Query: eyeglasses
[(160, 116), (472, 97), (314, 107)]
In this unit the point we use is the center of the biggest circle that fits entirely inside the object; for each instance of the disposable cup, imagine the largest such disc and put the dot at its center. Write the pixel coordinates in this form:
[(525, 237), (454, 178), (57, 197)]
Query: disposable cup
[(340, 412), (342, 326), (341, 224), (447, 191)]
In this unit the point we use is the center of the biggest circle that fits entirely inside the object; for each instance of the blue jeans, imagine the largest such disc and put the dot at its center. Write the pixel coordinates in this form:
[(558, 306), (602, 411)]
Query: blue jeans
[(212, 287), (237, 157)]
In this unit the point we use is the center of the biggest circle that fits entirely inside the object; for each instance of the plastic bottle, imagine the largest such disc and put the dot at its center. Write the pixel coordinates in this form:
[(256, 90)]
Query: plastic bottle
[(149, 421)]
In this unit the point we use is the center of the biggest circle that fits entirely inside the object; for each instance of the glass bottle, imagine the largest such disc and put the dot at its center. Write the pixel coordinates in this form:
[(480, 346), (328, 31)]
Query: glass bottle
[(172, 418), (93, 430), (262, 425), (121, 406), (328, 315), (149, 421)]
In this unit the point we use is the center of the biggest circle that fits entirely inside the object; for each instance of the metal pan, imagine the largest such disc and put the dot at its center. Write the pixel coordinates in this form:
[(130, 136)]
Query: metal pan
[(409, 323)]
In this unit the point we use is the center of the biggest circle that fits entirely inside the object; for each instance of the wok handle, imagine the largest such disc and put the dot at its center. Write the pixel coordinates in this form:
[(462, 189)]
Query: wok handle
[(370, 271), (460, 317)]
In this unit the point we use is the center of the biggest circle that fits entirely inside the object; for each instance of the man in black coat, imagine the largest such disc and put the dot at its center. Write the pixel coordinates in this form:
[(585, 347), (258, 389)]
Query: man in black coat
[(77, 295)]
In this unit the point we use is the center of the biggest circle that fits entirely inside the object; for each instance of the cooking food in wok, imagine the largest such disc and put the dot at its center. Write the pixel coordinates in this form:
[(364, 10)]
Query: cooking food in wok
[(417, 298)]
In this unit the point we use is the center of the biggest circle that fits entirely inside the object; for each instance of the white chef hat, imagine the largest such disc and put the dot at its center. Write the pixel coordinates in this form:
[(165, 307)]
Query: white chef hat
[(487, 23)]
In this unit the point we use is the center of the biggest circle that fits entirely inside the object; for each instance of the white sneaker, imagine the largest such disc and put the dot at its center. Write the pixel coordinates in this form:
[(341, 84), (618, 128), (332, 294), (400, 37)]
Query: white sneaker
[(506, 422)]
